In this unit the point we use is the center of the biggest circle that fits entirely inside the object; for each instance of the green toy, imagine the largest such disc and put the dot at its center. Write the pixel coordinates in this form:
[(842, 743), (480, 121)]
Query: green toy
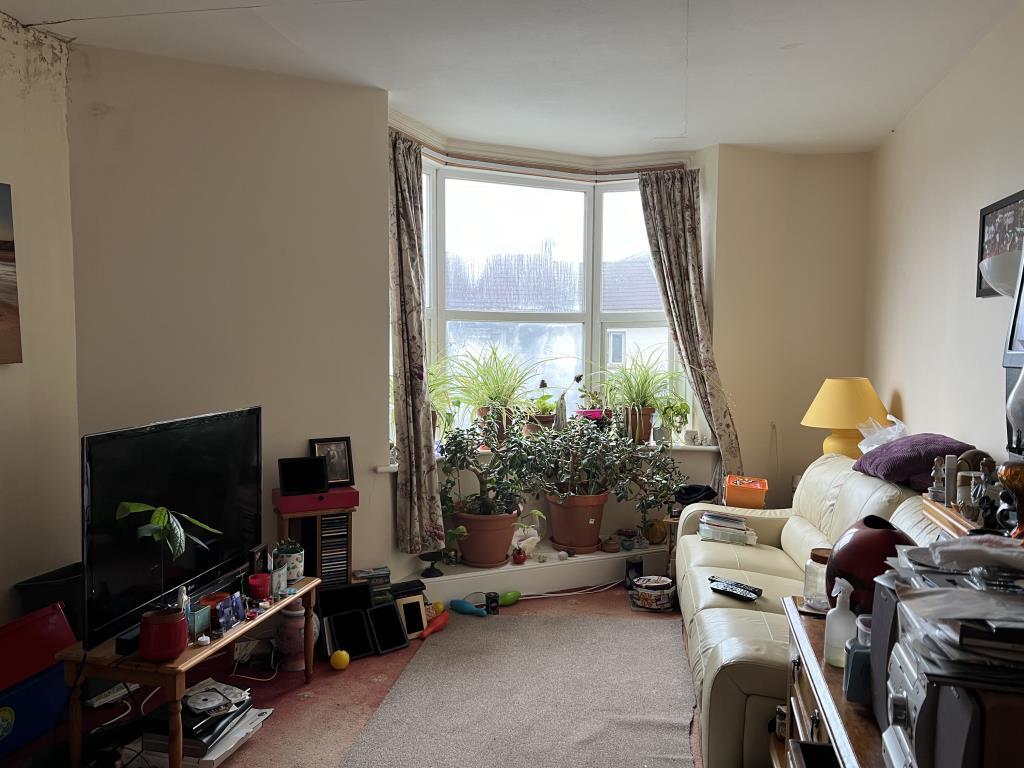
[(509, 598)]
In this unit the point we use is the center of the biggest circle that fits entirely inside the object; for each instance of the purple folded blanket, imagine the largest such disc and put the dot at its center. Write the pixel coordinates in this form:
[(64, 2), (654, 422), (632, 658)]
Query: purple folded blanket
[(908, 460)]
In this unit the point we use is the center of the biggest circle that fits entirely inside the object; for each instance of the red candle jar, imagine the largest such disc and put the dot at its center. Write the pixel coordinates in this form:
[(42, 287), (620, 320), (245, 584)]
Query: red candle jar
[(259, 586)]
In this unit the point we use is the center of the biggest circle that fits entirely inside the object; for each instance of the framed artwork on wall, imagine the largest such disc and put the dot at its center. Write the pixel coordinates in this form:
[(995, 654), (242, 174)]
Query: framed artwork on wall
[(1000, 239), (10, 315), (338, 452)]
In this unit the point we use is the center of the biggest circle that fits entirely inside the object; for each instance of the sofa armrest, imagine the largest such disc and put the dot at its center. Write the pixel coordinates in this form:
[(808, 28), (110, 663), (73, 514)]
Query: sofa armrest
[(739, 673), (767, 523)]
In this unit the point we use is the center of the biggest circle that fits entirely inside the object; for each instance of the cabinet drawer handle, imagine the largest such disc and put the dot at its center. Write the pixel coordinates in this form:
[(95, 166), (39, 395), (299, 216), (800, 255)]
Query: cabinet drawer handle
[(815, 724), (796, 667)]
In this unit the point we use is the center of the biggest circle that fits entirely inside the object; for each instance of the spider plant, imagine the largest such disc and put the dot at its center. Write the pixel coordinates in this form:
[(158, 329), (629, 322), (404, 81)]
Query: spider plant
[(492, 379), (640, 383), (439, 392)]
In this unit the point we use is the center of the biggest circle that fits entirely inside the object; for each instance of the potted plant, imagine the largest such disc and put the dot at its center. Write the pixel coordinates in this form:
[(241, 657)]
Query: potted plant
[(290, 554), (482, 489), (543, 410), (594, 401), (444, 406), (164, 525), (583, 464), (640, 387), (675, 414), (493, 382)]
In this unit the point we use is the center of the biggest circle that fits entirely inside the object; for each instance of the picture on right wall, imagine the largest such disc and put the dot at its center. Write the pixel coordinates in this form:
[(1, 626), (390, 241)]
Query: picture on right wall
[(1000, 240), (10, 318)]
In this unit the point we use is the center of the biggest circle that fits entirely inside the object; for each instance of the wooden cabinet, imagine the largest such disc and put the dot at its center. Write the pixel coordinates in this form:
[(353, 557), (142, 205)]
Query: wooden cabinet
[(817, 711)]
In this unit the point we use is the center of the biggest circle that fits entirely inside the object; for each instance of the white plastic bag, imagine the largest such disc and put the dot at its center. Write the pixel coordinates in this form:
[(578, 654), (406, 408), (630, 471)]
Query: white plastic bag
[(875, 434)]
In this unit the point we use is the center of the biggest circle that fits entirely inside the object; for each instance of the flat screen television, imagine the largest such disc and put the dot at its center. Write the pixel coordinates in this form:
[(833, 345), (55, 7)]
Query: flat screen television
[(207, 467)]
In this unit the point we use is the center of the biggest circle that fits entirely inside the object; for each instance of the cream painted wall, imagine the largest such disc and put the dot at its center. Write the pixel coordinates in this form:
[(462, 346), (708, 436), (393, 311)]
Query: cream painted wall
[(39, 496), (230, 250), (789, 285), (931, 345)]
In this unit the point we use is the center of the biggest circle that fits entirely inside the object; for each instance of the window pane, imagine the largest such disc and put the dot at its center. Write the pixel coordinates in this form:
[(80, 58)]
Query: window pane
[(428, 249), (513, 248), (627, 277), (560, 345), (626, 341)]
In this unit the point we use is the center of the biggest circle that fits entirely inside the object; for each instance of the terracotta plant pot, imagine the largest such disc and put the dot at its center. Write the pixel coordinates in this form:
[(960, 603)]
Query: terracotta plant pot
[(640, 424), (576, 522), (538, 422), (489, 539), (484, 412)]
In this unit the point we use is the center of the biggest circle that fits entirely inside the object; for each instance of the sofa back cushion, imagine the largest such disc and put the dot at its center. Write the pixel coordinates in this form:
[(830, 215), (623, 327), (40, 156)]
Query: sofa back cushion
[(909, 517), (831, 497)]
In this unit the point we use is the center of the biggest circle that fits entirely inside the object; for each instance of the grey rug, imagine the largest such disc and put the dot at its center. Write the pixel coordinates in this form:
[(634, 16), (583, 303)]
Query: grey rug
[(537, 692)]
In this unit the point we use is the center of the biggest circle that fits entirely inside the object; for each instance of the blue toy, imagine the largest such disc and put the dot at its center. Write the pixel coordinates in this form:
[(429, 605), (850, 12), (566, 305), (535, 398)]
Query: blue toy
[(464, 606)]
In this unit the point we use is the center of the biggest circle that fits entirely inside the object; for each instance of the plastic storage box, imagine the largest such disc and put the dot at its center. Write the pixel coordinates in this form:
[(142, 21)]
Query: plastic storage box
[(745, 492)]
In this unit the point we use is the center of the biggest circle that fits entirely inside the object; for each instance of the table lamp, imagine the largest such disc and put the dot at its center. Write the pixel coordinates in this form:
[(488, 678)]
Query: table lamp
[(840, 405)]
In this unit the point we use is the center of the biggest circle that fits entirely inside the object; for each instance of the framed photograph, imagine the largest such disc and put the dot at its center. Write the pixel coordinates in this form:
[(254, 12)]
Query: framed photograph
[(413, 613), (278, 581), (259, 559), (1000, 238), (338, 452), (10, 318)]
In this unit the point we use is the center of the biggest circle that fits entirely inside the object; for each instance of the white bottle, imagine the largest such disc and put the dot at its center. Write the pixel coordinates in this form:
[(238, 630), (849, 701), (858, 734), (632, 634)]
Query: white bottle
[(840, 624)]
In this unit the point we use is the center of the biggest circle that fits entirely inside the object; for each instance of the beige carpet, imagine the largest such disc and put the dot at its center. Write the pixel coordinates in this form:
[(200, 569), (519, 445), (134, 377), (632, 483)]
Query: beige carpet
[(537, 692)]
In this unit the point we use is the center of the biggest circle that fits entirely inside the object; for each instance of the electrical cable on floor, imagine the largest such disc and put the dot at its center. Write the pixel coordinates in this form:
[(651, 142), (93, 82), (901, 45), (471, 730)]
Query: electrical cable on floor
[(127, 712), (234, 671), (142, 706), (585, 591)]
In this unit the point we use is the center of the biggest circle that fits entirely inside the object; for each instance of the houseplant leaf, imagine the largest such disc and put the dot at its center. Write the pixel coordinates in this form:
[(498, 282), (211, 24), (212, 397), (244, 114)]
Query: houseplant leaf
[(175, 537), (126, 508), (195, 522), (159, 517)]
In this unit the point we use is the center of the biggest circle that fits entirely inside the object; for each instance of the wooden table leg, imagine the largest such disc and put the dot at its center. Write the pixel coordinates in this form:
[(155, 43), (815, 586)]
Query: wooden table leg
[(174, 690), (307, 602), (74, 713)]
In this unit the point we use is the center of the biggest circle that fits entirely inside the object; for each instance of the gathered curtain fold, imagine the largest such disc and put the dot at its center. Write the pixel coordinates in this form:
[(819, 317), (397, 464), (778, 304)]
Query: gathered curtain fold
[(671, 205), (419, 526)]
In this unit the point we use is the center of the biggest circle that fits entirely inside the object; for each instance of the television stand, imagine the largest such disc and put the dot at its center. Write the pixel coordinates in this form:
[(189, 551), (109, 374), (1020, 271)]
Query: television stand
[(169, 676)]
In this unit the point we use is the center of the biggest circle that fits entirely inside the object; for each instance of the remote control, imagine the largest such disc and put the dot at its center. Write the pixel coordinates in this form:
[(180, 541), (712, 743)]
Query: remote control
[(725, 588), (717, 580)]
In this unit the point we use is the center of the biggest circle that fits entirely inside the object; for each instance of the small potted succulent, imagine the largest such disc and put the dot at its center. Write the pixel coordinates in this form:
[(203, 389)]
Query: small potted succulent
[(543, 410), (290, 554), (486, 475)]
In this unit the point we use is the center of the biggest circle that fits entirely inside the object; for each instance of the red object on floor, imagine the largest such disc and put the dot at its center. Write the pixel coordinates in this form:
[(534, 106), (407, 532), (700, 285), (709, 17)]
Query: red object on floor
[(335, 498), (28, 644), (436, 624)]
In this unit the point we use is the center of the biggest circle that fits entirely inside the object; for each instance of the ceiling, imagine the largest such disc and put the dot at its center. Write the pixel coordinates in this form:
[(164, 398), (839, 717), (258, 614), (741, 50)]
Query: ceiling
[(590, 77)]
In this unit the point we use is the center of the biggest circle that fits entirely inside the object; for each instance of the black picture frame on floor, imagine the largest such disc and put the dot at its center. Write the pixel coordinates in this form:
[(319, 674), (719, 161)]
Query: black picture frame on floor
[(1000, 228), (349, 631), (387, 628), (338, 452)]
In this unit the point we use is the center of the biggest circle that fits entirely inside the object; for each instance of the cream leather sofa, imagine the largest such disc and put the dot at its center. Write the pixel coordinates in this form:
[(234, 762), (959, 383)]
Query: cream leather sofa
[(738, 651)]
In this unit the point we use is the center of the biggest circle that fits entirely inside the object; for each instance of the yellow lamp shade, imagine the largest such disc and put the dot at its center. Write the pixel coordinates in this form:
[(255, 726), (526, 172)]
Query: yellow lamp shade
[(840, 405)]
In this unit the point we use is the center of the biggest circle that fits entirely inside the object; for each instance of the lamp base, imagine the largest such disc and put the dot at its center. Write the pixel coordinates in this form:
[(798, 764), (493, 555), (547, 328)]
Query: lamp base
[(843, 441)]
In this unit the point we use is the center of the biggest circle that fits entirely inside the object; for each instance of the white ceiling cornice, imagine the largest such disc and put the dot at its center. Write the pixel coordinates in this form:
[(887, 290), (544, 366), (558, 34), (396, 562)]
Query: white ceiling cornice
[(519, 156)]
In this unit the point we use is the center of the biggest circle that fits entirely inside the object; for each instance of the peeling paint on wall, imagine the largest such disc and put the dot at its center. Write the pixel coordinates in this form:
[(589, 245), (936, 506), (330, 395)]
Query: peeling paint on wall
[(34, 59)]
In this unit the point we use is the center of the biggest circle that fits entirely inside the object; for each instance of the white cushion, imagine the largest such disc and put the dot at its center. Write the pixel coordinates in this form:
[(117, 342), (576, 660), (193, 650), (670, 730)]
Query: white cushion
[(695, 593), (909, 517), (799, 537), (716, 625), (691, 552)]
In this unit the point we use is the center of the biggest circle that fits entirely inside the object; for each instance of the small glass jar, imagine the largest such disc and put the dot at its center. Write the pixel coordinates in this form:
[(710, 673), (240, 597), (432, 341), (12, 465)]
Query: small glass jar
[(815, 594)]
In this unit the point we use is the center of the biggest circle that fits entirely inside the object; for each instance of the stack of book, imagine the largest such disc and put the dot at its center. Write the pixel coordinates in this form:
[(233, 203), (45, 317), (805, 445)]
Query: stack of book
[(379, 579), (216, 719), (726, 527)]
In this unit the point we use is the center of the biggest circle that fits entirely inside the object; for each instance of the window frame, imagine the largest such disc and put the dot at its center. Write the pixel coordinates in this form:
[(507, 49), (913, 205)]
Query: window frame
[(595, 322)]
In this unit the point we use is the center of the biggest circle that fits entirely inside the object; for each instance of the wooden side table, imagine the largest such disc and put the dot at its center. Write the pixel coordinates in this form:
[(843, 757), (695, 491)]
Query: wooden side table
[(672, 523), (818, 711), (104, 663)]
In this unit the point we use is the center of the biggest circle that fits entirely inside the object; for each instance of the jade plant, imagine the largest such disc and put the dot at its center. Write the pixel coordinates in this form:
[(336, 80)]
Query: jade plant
[(582, 459), (164, 525), (502, 467)]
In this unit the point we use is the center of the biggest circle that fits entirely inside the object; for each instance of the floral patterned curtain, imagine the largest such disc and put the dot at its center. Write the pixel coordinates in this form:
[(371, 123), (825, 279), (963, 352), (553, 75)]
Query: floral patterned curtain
[(671, 203), (419, 526)]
